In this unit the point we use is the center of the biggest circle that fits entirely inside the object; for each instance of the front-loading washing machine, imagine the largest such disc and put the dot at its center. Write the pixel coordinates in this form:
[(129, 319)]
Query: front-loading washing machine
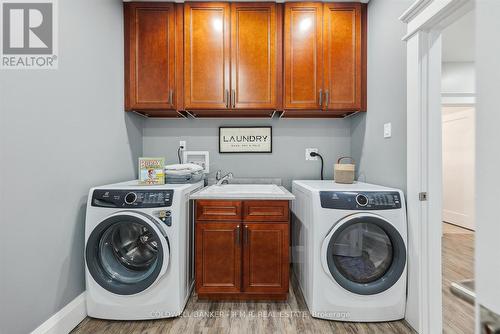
[(139, 250), (349, 250)]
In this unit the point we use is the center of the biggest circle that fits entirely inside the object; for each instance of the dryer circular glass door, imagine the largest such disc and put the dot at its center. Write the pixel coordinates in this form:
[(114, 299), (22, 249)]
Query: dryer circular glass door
[(364, 254), (126, 253)]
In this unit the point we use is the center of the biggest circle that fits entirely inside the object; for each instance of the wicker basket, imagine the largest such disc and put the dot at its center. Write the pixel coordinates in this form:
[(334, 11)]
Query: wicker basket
[(344, 173)]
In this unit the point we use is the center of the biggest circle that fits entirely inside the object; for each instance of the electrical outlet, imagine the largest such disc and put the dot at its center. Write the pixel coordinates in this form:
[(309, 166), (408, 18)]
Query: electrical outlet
[(308, 153), (182, 143), (387, 130)]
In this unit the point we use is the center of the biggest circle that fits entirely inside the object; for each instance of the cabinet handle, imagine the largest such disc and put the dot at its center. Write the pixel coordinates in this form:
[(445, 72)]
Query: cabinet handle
[(233, 98), (238, 235), (171, 97), (245, 235), (327, 98), (227, 98), (320, 102)]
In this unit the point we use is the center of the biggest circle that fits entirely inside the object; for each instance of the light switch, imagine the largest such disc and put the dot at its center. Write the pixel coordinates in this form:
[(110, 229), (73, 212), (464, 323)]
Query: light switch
[(387, 130)]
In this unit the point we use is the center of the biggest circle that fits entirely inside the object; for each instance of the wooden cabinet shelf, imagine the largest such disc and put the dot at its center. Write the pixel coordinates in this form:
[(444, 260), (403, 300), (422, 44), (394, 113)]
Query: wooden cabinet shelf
[(242, 253), (245, 59)]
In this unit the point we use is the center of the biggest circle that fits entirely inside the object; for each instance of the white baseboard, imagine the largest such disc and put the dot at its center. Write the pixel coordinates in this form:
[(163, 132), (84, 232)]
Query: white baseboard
[(66, 319)]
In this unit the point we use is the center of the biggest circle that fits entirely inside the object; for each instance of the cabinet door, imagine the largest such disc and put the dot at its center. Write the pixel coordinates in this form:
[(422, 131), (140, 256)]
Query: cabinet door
[(343, 51), (254, 41), (218, 257), (150, 56), (265, 257), (206, 55), (303, 55)]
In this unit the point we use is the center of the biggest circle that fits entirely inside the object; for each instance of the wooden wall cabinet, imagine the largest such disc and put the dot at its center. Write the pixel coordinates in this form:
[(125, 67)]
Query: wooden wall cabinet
[(206, 55), (150, 55), (220, 59), (325, 59), (242, 254), (232, 57), (303, 55)]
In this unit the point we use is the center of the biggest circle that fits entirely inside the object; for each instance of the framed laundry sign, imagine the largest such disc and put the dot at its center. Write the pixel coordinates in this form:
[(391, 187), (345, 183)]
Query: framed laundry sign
[(247, 139)]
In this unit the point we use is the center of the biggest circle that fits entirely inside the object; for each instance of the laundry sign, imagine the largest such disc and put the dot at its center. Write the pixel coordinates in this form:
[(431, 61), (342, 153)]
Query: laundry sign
[(249, 139)]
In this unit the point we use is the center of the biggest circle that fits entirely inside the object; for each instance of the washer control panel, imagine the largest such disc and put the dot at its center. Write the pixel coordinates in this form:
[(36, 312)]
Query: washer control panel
[(365, 200), (132, 198)]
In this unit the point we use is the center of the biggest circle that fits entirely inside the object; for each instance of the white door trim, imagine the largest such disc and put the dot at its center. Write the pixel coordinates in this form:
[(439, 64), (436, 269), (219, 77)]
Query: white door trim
[(425, 20)]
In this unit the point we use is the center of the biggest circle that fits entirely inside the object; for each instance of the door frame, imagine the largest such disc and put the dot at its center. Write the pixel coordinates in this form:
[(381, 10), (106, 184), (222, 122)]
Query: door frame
[(425, 20)]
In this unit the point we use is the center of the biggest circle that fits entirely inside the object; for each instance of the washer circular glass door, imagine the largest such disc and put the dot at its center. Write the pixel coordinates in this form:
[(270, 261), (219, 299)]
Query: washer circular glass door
[(364, 254), (126, 253)]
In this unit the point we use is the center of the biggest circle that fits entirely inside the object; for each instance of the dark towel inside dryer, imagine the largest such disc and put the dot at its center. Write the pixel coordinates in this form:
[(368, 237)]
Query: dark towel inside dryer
[(357, 269)]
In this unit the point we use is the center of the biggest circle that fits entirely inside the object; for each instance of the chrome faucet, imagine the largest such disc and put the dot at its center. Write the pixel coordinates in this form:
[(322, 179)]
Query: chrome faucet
[(223, 179)]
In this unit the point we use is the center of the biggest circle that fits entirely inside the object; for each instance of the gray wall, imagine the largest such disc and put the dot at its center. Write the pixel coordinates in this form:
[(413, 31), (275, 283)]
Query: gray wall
[(61, 132), (383, 161), (64, 131), (290, 139)]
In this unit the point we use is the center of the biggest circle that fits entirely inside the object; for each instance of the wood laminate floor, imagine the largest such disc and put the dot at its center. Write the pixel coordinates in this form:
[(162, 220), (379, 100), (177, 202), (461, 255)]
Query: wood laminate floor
[(236, 317), (458, 264)]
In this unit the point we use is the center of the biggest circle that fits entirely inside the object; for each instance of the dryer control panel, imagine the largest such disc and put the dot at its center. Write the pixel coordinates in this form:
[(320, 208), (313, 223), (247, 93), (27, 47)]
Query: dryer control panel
[(366, 200), (133, 199)]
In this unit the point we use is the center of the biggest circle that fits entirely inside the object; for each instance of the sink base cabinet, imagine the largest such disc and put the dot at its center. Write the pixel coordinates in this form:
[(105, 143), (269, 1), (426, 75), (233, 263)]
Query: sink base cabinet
[(242, 259), (265, 257), (218, 257)]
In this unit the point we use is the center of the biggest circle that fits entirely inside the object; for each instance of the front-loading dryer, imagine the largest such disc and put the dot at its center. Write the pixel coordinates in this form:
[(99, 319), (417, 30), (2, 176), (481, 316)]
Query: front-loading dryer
[(139, 250), (349, 250)]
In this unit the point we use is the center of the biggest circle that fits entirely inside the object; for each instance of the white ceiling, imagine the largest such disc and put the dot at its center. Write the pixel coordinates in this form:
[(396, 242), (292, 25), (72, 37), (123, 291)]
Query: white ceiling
[(459, 40)]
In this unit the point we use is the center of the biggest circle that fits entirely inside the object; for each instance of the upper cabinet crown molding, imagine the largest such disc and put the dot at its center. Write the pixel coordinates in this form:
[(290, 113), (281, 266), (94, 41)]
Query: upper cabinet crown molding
[(279, 1)]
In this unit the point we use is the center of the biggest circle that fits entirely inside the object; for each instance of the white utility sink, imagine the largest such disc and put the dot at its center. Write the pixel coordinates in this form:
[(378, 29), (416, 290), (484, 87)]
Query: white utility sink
[(245, 188), (243, 191)]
